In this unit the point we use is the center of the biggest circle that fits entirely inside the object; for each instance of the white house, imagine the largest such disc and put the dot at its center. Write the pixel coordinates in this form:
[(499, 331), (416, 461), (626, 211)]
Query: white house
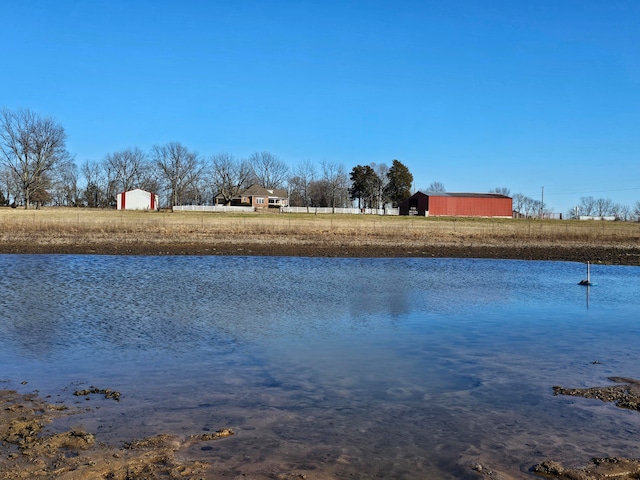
[(137, 200)]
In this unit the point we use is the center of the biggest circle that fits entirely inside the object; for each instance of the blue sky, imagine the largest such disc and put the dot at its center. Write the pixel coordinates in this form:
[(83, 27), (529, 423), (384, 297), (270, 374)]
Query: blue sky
[(474, 94)]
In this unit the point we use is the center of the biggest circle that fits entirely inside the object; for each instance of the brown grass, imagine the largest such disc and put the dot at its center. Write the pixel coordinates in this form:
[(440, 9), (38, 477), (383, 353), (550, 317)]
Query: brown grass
[(109, 231)]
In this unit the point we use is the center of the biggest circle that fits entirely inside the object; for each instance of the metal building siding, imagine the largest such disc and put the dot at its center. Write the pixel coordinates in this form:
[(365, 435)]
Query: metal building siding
[(470, 206), (137, 199)]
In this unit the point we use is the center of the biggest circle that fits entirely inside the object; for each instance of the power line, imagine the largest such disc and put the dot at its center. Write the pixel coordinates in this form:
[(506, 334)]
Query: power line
[(596, 191), (550, 192)]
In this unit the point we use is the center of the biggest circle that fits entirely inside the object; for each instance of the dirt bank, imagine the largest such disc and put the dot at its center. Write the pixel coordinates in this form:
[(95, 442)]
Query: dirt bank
[(280, 247)]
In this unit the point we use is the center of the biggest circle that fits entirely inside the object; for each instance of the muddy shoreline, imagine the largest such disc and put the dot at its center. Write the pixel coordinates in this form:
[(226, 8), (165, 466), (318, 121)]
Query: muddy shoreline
[(605, 254), (28, 449)]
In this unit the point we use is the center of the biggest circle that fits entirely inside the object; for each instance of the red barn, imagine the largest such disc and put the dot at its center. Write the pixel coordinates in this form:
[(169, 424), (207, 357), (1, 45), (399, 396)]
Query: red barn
[(458, 205)]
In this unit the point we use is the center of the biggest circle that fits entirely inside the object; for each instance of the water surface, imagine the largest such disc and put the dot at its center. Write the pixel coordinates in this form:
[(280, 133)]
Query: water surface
[(348, 368)]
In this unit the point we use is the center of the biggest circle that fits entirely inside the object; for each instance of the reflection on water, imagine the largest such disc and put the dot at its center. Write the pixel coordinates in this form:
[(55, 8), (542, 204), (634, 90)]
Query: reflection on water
[(358, 368)]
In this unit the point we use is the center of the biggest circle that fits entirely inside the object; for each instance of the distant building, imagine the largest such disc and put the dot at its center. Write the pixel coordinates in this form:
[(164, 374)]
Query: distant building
[(259, 197), (137, 200), (458, 205)]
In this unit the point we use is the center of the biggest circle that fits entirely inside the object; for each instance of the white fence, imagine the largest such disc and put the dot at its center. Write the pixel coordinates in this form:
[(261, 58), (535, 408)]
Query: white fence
[(590, 217), (211, 208), (313, 210), (349, 211)]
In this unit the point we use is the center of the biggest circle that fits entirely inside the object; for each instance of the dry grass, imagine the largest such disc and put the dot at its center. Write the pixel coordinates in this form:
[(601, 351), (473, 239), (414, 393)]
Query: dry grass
[(93, 226)]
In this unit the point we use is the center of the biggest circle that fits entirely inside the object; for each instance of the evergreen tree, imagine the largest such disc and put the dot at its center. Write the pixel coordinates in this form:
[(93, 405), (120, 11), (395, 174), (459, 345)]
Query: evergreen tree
[(364, 185), (399, 183)]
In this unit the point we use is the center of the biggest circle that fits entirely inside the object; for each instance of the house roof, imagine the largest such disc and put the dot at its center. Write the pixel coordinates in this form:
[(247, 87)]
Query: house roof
[(256, 189), (466, 195)]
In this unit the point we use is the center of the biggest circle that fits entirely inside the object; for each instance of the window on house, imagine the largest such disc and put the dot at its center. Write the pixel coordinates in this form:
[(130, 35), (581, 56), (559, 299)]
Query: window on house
[(260, 200)]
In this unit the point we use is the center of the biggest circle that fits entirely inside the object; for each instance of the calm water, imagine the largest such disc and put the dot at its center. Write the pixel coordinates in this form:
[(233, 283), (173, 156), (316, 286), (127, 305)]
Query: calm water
[(347, 368)]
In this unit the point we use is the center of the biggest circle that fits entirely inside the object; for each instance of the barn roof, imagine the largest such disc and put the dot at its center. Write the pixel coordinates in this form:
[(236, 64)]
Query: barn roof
[(466, 195)]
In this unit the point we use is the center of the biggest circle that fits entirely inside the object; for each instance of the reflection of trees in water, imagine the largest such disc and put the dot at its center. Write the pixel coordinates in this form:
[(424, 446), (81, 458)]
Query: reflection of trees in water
[(176, 304), (143, 303), (429, 286)]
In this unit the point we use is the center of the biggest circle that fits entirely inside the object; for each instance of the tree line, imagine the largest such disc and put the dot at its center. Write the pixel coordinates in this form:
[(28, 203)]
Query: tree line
[(36, 169)]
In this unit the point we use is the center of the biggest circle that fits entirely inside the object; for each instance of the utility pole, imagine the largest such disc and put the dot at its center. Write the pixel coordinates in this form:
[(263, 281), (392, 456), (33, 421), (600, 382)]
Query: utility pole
[(542, 205)]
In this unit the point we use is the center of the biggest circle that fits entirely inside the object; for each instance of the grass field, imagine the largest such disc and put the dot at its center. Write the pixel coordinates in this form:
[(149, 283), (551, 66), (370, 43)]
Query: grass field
[(109, 231)]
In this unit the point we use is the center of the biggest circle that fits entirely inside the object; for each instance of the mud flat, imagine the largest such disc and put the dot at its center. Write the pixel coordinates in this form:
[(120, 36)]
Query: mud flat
[(626, 394), (27, 451)]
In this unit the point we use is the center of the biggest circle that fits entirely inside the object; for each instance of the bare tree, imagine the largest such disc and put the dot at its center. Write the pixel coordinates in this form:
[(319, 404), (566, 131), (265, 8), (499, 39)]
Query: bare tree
[(269, 171), (65, 191), (518, 202), (531, 207), (126, 168), (300, 183), (623, 212), (97, 183), (229, 176), (604, 207), (381, 169), (179, 168), (337, 184), (31, 146), (586, 206), (9, 185), (318, 193), (437, 187), (150, 178), (501, 191), (636, 211)]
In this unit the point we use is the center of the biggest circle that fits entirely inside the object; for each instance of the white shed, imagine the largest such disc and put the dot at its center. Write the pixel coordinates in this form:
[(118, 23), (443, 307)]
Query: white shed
[(137, 200)]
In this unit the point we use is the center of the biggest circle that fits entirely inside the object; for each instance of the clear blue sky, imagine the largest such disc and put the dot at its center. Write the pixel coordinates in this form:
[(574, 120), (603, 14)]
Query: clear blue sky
[(474, 94)]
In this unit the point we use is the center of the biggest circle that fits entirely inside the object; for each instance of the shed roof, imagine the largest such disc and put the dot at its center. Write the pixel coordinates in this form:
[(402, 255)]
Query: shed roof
[(137, 190)]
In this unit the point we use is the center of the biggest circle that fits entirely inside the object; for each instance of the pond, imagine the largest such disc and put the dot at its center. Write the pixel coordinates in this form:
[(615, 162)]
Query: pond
[(341, 368)]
